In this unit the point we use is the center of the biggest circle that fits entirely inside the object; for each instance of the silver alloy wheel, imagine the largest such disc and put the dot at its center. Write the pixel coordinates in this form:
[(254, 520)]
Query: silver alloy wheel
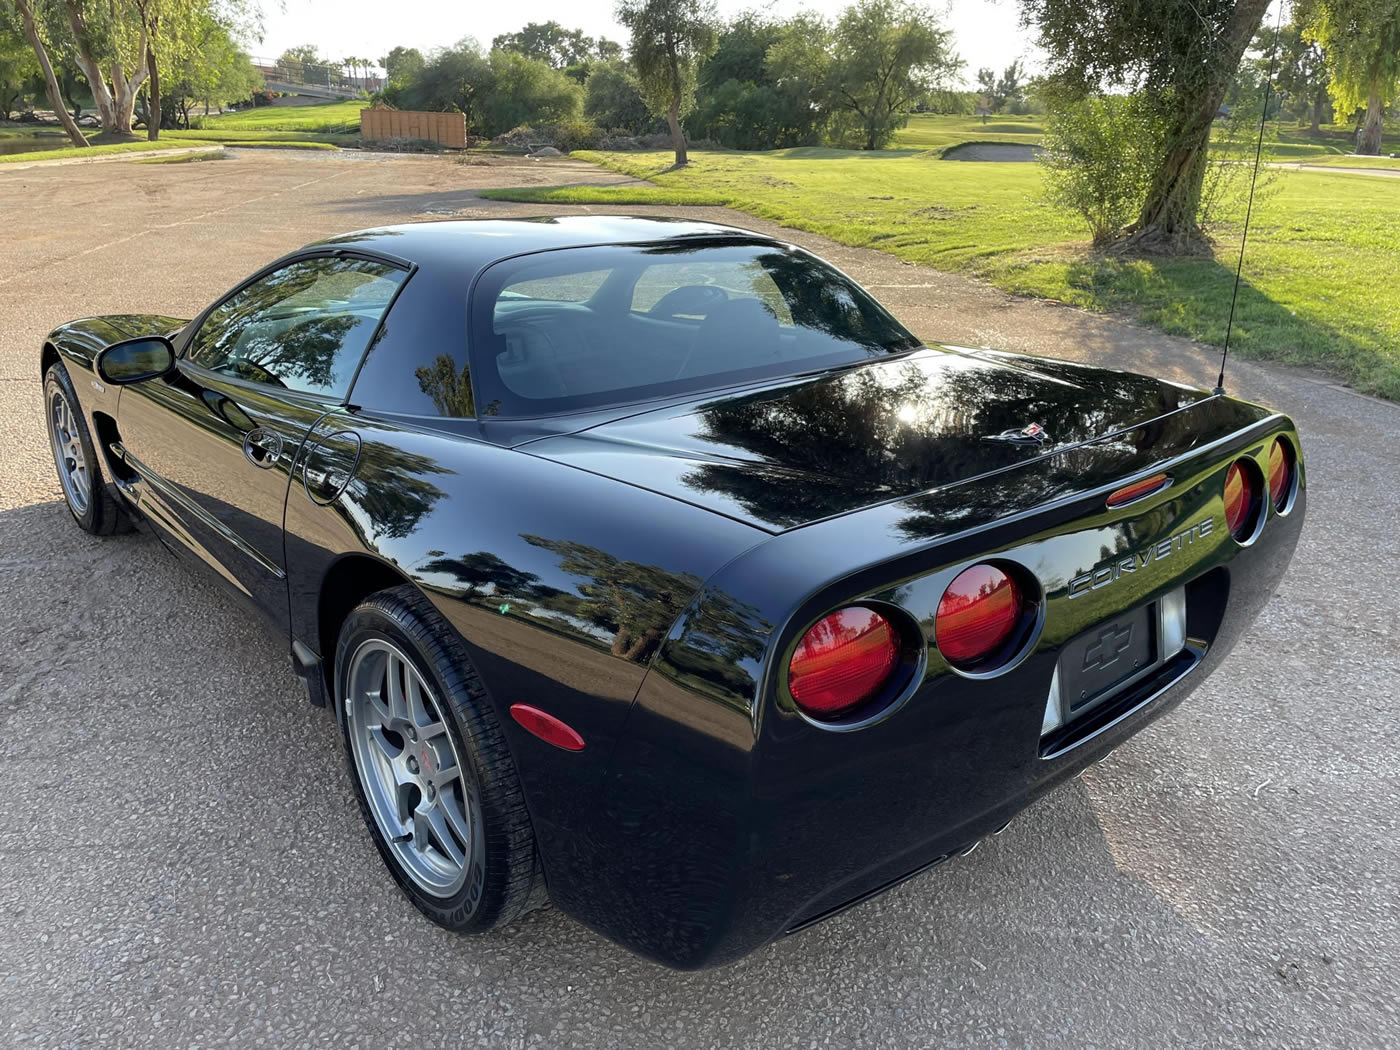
[(68, 452), (410, 769)]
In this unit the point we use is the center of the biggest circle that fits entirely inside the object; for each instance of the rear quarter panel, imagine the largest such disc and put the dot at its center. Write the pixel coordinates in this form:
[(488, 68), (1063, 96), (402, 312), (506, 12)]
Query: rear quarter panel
[(561, 583)]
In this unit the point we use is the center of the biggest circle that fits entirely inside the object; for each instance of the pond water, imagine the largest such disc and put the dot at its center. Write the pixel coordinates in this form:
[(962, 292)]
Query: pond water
[(32, 143)]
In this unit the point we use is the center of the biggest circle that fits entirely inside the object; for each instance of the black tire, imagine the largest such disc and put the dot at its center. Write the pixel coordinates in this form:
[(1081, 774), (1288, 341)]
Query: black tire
[(91, 503), (498, 885)]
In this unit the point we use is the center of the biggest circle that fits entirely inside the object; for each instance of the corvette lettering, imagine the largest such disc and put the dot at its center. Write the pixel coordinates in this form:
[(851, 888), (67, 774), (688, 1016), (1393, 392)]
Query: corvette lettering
[(1112, 571)]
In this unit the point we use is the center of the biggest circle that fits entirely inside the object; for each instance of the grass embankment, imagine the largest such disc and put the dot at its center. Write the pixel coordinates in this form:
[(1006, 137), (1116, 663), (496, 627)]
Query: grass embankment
[(336, 118), (166, 141), (139, 146), (324, 126), (1320, 272)]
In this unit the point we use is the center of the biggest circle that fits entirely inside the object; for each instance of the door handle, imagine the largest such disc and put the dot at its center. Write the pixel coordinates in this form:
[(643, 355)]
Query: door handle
[(262, 447)]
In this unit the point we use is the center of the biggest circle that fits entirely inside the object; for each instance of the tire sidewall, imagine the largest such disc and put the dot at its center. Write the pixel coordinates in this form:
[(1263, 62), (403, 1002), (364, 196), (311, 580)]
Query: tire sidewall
[(477, 904), (56, 381)]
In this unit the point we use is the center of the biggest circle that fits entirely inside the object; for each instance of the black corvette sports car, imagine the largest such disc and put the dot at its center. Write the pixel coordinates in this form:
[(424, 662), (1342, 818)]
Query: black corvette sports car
[(656, 564)]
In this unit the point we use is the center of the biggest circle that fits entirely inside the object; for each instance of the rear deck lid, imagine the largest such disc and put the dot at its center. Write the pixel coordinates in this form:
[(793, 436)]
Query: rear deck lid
[(811, 448)]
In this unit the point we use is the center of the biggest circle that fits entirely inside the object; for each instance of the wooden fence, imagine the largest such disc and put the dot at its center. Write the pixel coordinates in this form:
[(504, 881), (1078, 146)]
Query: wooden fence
[(446, 129)]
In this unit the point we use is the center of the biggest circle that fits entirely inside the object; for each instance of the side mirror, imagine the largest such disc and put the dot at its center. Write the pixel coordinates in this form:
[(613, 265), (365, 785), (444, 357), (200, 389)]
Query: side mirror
[(136, 359)]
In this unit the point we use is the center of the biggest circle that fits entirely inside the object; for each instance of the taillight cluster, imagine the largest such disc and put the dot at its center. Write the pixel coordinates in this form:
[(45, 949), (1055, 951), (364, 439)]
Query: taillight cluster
[(1283, 472), (1246, 489), (978, 614), (842, 661), (857, 659)]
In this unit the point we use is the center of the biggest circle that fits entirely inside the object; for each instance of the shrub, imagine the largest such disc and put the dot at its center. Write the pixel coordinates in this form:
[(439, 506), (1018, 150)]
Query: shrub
[(613, 99), (1098, 158)]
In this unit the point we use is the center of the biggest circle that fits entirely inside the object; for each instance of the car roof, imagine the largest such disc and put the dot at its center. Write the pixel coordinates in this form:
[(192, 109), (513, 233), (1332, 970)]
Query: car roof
[(470, 245)]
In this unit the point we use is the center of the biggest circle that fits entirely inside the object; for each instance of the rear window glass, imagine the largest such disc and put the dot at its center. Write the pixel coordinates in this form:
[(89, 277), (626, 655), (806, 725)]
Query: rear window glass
[(577, 328)]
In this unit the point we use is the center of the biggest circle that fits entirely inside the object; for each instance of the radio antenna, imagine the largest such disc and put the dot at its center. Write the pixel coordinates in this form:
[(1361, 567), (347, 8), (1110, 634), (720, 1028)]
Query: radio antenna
[(1249, 208)]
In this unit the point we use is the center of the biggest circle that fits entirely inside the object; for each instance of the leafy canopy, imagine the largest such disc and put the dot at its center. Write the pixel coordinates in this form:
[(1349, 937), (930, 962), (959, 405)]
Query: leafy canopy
[(669, 39)]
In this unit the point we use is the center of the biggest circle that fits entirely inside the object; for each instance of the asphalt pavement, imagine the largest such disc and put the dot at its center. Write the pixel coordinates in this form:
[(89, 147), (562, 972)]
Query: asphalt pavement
[(182, 862)]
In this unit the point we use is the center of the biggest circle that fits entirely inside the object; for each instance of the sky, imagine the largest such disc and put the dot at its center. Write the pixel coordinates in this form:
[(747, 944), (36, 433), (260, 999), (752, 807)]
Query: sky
[(985, 32)]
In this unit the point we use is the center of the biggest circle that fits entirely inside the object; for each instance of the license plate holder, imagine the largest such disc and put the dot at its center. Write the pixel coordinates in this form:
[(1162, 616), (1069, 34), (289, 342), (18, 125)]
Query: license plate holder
[(1096, 663)]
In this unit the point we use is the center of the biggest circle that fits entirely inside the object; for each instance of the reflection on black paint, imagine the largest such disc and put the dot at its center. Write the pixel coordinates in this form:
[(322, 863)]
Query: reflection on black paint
[(902, 427), (635, 603), (392, 487), (626, 604), (718, 648), (449, 388)]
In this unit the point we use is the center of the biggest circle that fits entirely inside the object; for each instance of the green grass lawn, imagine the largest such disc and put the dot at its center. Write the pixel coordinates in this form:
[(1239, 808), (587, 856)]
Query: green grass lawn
[(1283, 141), (168, 140), (238, 136), (341, 118), (935, 131), (1320, 272), (1352, 161)]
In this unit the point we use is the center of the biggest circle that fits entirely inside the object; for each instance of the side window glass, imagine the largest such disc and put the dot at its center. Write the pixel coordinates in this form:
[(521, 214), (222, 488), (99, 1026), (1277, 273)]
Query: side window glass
[(304, 326)]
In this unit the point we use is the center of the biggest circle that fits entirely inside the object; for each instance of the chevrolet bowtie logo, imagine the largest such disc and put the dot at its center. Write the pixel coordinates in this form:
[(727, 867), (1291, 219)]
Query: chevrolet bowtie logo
[(1112, 643)]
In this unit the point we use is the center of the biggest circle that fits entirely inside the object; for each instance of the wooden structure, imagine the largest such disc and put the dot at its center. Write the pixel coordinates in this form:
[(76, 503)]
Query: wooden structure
[(446, 129)]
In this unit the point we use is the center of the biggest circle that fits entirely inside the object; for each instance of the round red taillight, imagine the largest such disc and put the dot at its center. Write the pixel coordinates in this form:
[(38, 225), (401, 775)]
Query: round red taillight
[(842, 661), (977, 614), (1280, 473), (1239, 501)]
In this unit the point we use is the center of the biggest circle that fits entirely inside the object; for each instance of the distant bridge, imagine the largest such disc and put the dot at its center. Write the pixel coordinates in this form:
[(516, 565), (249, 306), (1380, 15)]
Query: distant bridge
[(329, 80)]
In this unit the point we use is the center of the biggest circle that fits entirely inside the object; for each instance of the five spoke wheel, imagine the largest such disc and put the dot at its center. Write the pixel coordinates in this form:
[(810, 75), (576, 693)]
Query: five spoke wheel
[(67, 443), (410, 768)]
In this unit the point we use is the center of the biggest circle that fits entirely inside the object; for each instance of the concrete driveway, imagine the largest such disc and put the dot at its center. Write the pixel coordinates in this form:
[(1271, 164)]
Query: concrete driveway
[(182, 863)]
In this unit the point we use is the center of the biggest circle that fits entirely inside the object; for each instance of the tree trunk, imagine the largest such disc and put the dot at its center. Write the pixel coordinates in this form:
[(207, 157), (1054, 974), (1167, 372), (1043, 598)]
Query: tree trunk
[(677, 135), (101, 97), (127, 90), (1167, 225), (1319, 102), (1368, 139), (153, 120), (31, 32)]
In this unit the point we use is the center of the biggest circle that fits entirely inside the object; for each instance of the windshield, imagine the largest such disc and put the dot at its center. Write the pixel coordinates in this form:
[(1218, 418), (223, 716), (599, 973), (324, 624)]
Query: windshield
[(577, 328)]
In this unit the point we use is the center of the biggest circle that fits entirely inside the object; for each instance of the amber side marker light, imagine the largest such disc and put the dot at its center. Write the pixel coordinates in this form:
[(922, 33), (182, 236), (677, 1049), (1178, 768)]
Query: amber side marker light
[(545, 726), (842, 662), (1137, 490)]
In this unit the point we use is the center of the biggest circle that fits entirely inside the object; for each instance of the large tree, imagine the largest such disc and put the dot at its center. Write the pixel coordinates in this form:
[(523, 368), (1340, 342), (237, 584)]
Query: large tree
[(402, 65), (1182, 57), (25, 9), (18, 64), (549, 42), (1361, 39), (214, 70), (870, 69), (1300, 71), (111, 49), (670, 38), (746, 99)]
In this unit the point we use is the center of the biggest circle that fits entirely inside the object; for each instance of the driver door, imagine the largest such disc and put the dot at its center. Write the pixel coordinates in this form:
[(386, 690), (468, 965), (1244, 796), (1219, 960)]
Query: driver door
[(208, 448)]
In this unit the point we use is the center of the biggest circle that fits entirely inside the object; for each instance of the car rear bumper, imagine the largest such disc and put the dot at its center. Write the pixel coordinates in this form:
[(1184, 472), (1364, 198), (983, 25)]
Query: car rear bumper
[(717, 829)]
